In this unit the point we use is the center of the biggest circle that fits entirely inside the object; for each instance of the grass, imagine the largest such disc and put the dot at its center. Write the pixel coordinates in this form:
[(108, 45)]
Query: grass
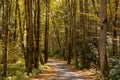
[(15, 71)]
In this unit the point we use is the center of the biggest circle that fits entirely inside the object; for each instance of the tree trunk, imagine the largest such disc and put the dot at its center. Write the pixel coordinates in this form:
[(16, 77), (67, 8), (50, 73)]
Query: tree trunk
[(75, 53), (26, 37), (30, 43), (47, 30), (83, 33), (102, 39), (5, 50), (70, 45), (115, 24)]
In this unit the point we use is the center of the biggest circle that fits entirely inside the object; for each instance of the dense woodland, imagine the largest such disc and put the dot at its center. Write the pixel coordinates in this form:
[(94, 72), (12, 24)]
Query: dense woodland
[(85, 33)]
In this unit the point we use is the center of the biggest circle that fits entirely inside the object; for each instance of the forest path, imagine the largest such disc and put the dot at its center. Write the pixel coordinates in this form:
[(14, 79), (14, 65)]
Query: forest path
[(63, 71)]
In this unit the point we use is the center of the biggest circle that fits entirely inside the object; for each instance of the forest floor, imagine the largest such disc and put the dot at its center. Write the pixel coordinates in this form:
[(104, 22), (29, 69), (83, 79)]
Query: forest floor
[(59, 70)]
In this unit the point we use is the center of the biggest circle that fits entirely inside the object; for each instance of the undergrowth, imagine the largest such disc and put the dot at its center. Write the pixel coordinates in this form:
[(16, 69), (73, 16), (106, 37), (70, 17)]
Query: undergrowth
[(18, 72)]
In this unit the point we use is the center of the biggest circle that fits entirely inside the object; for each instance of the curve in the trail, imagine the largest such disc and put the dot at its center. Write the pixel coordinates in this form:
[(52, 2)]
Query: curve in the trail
[(64, 72)]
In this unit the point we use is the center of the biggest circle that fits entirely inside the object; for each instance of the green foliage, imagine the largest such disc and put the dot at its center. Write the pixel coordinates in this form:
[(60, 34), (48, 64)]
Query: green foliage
[(20, 77), (90, 53), (36, 71), (114, 68), (56, 54), (15, 69), (14, 53), (18, 71), (15, 72)]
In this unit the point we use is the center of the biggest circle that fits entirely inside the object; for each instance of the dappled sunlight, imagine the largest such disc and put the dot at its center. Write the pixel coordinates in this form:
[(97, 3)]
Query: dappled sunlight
[(59, 40), (64, 72)]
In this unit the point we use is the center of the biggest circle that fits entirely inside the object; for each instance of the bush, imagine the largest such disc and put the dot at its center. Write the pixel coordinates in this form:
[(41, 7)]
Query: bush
[(14, 53), (114, 68), (90, 53)]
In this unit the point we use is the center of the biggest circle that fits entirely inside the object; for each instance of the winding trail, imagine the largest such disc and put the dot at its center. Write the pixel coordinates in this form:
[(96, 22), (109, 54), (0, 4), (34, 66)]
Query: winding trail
[(64, 72)]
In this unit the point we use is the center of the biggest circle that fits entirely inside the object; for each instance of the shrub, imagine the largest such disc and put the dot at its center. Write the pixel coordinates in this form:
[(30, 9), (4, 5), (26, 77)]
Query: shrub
[(14, 53), (114, 68), (90, 53)]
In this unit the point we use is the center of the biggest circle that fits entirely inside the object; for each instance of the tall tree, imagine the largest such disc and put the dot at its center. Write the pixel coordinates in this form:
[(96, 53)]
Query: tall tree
[(70, 25), (16, 11), (47, 30), (30, 28), (115, 26), (75, 52), (37, 36), (84, 25), (102, 38), (21, 34), (66, 42), (5, 38)]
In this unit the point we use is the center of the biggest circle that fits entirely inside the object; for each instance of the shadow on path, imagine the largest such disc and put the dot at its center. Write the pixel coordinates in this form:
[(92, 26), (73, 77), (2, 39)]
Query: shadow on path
[(64, 72)]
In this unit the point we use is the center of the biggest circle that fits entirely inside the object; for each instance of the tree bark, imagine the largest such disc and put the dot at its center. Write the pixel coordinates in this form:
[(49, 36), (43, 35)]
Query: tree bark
[(5, 38), (102, 39), (46, 31), (115, 24), (30, 28)]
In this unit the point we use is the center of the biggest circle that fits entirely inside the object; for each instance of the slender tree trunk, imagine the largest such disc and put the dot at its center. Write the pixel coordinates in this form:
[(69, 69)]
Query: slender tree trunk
[(115, 24), (75, 53), (38, 31), (30, 28), (16, 11), (83, 32), (3, 30), (66, 42), (26, 36), (70, 45), (102, 39), (37, 37), (47, 30), (5, 49)]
